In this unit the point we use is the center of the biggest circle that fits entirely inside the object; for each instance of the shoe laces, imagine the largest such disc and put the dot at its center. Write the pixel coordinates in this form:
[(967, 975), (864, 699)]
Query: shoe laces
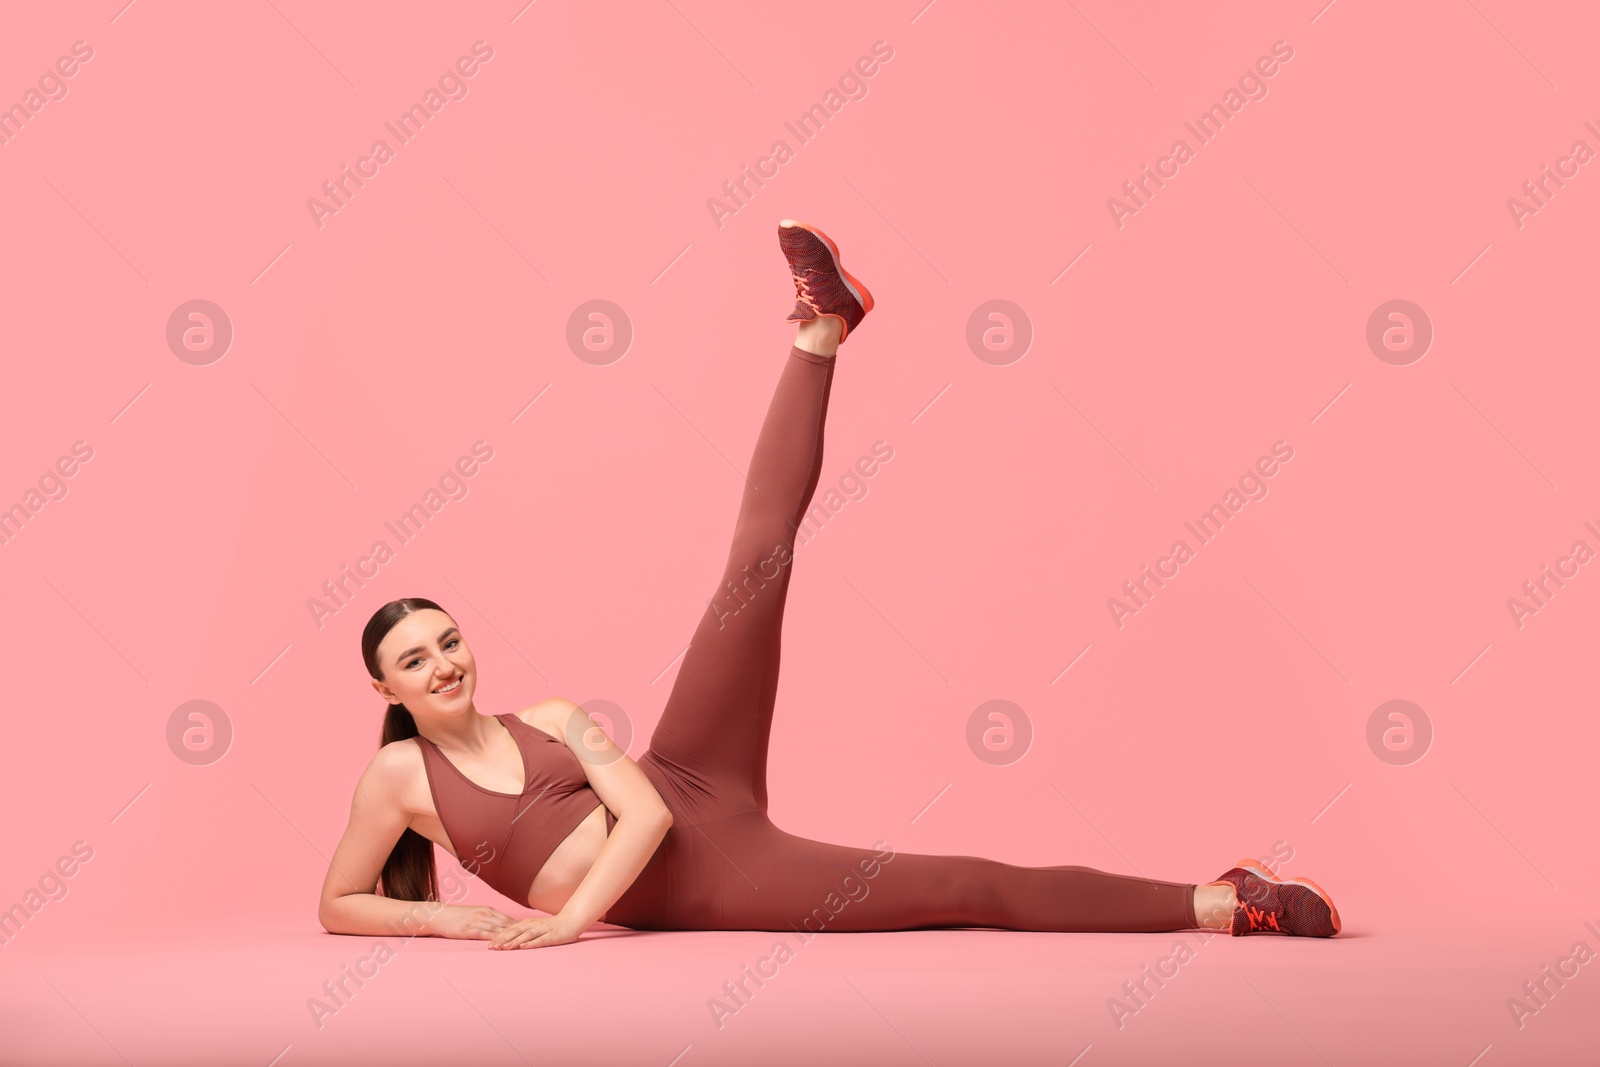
[(802, 291), (1263, 918)]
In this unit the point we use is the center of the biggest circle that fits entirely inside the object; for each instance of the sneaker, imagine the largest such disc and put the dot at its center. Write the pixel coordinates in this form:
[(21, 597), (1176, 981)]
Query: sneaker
[(821, 285), (1268, 904)]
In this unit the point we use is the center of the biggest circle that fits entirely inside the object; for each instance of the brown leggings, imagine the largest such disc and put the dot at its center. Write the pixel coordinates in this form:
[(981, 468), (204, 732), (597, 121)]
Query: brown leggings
[(723, 865)]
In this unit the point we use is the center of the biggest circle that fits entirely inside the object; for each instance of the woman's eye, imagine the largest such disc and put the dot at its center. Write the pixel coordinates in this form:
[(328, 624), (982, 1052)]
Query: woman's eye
[(452, 641)]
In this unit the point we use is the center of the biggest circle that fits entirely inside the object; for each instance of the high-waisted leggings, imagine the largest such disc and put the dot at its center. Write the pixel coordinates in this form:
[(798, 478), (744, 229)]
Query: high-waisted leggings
[(723, 865)]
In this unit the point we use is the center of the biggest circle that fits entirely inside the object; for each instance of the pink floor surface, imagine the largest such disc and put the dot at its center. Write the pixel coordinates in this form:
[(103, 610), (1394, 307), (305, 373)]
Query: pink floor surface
[(1400, 992)]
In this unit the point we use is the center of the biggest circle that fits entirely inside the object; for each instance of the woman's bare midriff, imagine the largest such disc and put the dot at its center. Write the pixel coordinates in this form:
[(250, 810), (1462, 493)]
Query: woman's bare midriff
[(558, 879), (561, 874)]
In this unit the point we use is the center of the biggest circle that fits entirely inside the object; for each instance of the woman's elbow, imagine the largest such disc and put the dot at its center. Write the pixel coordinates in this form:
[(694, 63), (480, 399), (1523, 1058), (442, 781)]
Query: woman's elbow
[(646, 812), (328, 916)]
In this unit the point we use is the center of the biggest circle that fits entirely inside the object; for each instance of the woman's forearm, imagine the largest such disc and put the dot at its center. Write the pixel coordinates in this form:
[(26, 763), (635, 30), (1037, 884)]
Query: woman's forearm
[(369, 913), (628, 848)]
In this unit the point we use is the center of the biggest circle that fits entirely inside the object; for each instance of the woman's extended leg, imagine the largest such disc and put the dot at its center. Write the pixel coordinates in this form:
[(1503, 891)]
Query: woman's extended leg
[(714, 731), (750, 875)]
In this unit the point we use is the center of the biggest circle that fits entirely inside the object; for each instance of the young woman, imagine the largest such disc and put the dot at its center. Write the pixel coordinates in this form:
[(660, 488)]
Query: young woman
[(542, 806)]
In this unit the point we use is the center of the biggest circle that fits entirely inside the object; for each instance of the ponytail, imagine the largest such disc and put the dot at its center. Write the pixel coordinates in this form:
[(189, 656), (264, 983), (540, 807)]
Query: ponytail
[(409, 872)]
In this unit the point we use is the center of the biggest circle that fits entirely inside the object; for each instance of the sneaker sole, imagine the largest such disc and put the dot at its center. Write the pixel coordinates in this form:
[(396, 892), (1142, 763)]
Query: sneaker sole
[(851, 282), (1266, 875)]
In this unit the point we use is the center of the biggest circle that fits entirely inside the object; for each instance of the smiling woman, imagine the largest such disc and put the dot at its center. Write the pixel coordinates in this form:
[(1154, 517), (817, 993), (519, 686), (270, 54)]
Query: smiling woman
[(680, 840), (539, 804), (450, 675)]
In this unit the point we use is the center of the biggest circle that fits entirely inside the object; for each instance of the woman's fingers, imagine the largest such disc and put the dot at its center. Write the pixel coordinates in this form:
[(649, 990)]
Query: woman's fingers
[(487, 921), (521, 934), (526, 934)]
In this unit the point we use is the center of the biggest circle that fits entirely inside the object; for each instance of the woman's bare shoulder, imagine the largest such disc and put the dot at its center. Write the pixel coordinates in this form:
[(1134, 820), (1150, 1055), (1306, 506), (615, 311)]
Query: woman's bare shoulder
[(553, 715), (398, 755), (393, 769)]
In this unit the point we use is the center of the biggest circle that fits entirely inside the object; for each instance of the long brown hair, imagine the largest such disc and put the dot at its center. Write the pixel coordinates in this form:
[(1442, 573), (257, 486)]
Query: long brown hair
[(409, 872)]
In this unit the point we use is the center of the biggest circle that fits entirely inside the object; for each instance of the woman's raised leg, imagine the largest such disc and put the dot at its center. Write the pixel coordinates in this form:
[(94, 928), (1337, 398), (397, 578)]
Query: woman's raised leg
[(714, 730), (713, 733)]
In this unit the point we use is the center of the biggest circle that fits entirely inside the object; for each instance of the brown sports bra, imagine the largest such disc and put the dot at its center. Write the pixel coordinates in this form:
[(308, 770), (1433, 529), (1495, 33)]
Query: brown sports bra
[(502, 838)]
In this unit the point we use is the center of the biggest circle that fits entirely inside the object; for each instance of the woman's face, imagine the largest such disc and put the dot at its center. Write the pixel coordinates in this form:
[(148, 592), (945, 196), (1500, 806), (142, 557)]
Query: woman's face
[(421, 656)]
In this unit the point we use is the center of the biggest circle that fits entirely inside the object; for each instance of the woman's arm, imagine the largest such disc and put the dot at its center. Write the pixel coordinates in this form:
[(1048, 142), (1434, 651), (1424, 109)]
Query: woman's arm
[(643, 819), (350, 903)]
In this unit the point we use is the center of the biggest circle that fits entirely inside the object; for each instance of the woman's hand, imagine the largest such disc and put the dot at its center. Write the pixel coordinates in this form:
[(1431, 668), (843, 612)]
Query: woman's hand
[(537, 932), (468, 921)]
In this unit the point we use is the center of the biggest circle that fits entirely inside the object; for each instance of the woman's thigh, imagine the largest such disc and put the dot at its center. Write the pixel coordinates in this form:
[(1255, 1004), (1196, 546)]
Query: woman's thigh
[(740, 872)]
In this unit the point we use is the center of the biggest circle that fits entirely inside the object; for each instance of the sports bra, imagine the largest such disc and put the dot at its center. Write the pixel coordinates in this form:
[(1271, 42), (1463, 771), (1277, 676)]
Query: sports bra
[(502, 838)]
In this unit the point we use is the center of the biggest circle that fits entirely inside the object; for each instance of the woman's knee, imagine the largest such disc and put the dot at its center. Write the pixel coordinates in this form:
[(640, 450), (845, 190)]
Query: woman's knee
[(756, 568), (763, 544)]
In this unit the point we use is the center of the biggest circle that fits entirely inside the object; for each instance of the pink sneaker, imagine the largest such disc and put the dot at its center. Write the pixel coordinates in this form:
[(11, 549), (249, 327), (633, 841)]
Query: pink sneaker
[(1268, 904), (821, 285)]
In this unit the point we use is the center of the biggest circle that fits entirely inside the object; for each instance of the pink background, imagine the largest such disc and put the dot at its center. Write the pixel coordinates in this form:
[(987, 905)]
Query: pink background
[(1229, 313)]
